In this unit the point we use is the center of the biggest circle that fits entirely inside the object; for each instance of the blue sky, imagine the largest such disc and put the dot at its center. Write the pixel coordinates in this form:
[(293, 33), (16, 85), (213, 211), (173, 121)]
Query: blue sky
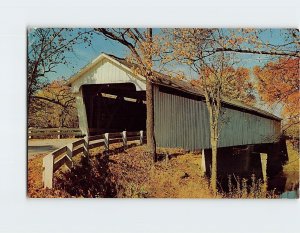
[(82, 55)]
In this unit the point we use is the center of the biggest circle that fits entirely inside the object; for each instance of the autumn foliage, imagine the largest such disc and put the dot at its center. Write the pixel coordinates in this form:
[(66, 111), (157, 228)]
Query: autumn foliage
[(278, 83), (236, 83), (53, 106)]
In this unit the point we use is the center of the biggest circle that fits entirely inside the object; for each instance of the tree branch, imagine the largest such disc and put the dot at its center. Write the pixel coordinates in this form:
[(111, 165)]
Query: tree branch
[(250, 51)]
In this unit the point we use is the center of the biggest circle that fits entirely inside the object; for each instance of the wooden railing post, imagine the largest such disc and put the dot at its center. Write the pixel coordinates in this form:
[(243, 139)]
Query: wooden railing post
[(106, 141), (58, 135), (203, 166), (124, 137), (48, 171), (29, 132), (263, 158), (141, 137), (86, 146), (70, 155)]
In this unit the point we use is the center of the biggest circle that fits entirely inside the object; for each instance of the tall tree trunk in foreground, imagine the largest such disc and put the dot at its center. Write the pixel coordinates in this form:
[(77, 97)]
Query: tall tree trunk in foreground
[(213, 179), (213, 110), (151, 144)]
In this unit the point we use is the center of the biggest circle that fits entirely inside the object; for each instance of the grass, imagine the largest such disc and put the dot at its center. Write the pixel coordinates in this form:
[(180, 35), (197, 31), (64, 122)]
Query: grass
[(176, 177), (131, 173), (125, 174), (242, 189), (291, 168), (292, 164)]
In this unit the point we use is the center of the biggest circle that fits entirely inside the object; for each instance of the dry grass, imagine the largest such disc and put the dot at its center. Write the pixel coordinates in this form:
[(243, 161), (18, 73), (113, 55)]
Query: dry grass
[(293, 162), (242, 189), (291, 168), (126, 173), (176, 177)]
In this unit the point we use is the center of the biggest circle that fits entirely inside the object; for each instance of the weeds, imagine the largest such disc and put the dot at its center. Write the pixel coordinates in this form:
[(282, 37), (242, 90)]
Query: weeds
[(242, 188)]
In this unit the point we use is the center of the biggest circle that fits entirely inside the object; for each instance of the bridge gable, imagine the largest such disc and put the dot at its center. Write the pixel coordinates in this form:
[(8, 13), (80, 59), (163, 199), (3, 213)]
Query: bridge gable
[(104, 71)]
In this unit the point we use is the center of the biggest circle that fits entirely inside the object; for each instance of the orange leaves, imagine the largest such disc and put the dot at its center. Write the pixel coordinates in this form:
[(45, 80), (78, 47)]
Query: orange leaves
[(278, 82), (235, 82), (237, 40), (53, 106)]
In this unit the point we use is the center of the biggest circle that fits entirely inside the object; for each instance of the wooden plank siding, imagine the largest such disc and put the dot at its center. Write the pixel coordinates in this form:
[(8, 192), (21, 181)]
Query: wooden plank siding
[(108, 71), (182, 121)]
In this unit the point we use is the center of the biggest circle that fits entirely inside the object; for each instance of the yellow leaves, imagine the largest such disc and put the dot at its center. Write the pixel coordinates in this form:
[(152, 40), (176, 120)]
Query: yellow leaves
[(248, 30), (53, 105), (233, 83), (240, 39), (279, 82)]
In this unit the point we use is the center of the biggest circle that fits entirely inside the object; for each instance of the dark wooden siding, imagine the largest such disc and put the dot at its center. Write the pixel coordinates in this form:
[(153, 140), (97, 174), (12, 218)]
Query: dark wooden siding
[(183, 121)]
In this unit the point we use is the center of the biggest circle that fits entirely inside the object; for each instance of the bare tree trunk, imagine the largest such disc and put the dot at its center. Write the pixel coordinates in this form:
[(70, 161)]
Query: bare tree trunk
[(213, 179), (151, 144), (213, 123)]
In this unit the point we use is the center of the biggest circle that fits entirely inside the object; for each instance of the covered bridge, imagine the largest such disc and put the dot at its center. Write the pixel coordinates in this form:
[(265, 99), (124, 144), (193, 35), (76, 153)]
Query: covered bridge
[(111, 98)]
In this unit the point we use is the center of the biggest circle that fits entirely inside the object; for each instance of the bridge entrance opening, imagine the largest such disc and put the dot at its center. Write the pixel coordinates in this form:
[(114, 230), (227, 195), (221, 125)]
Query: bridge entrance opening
[(114, 108)]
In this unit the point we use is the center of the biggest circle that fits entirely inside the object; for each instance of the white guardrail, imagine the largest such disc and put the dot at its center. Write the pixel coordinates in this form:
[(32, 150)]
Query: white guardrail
[(64, 155)]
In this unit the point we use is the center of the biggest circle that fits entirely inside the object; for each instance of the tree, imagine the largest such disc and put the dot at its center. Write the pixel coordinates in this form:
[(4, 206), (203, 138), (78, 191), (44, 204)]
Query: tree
[(236, 86), (59, 112), (278, 83), (254, 42), (208, 51), (188, 47), (47, 49), (143, 49)]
